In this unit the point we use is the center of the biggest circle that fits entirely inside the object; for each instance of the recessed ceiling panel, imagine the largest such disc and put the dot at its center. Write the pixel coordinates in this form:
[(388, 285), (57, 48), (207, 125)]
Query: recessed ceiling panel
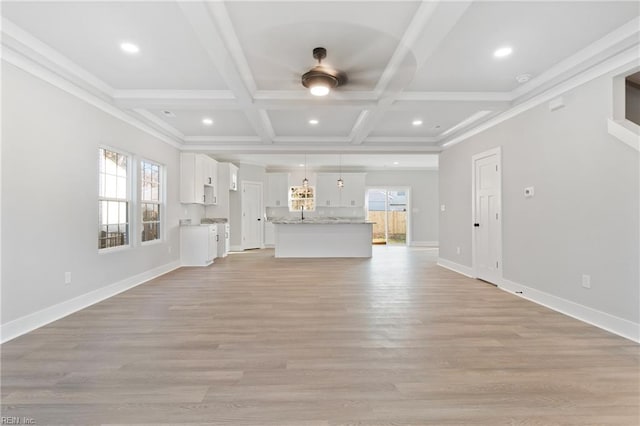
[(223, 122), (90, 34), (300, 122), (431, 119), (541, 34), (277, 38)]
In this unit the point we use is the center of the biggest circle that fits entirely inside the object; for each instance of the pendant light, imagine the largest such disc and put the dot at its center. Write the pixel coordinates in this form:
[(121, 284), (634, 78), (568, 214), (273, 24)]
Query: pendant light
[(340, 181), (305, 181)]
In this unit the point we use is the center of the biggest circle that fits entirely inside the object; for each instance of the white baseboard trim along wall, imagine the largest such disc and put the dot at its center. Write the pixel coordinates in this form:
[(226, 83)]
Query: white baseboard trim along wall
[(613, 324), (424, 244), (620, 326), (456, 267), (30, 322)]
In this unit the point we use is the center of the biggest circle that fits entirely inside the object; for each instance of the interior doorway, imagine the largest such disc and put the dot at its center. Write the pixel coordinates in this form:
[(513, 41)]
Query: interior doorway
[(388, 208), (487, 216), (252, 215)]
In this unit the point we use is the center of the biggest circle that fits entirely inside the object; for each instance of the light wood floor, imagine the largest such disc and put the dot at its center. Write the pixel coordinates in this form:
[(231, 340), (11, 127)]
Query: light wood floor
[(254, 340)]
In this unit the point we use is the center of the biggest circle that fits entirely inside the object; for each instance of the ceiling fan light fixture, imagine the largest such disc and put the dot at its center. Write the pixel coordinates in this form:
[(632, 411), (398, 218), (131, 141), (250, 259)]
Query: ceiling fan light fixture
[(319, 79)]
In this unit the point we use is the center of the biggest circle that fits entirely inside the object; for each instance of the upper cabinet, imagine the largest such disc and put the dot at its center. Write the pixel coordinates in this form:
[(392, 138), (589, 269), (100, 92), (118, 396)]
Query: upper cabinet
[(278, 189), (328, 194), (198, 179), (233, 177)]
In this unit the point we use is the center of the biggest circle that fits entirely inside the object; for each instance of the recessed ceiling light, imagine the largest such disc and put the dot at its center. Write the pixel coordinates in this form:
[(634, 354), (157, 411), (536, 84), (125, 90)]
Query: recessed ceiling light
[(503, 51), (129, 47), (395, 163), (313, 121), (417, 122), (207, 121), (523, 78)]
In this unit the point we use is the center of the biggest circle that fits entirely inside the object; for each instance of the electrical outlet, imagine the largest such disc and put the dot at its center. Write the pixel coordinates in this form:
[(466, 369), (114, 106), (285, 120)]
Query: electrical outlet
[(67, 277), (457, 250), (586, 281)]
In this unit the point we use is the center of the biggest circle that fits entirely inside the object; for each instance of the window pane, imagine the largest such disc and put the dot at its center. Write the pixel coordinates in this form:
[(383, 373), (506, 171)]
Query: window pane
[(122, 218), (110, 186), (155, 195), (146, 192), (122, 188), (113, 213), (155, 173)]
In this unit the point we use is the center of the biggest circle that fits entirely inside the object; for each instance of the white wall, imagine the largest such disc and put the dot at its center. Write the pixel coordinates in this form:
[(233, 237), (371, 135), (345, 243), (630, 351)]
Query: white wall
[(49, 197), (584, 218), (424, 199)]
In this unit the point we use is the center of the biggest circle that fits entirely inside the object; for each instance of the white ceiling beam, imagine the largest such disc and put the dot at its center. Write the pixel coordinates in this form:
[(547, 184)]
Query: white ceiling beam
[(428, 28), (259, 148), (199, 16)]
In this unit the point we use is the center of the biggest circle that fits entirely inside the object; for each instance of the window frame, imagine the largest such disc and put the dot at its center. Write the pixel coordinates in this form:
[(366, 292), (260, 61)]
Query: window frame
[(160, 203), (128, 198)]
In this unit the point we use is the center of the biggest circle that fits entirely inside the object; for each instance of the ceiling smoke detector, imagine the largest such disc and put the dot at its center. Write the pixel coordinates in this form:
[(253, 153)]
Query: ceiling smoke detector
[(523, 78), (320, 79)]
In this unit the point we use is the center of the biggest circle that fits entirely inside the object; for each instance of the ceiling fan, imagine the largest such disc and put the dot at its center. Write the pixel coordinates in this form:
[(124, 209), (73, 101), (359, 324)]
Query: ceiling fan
[(320, 79)]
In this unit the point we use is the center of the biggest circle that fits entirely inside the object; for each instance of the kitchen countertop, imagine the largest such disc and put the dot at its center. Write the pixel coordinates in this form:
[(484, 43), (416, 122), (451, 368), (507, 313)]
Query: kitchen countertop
[(321, 221)]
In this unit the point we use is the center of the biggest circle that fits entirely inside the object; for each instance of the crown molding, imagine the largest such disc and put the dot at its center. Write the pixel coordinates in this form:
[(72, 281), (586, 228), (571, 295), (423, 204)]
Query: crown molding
[(466, 122), (629, 57), (626, 32), (260, 148), (401, 139), (311, 139), (221, 139), (455, 96), (157, 121), (61, 83)]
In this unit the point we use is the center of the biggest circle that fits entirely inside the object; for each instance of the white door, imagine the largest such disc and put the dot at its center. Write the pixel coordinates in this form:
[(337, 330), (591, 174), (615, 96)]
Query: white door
[(487, 216), (252, 215)]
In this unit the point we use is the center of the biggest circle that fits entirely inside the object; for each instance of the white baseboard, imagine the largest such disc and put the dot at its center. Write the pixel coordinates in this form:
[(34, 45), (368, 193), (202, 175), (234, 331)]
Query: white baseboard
[(30, 322), (456, 267), (424, 244), (611, 323), (236, 248)]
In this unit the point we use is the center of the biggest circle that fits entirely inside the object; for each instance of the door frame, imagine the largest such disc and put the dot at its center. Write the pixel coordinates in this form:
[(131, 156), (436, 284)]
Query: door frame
[(242, 214), (497, 151), (387, 188)]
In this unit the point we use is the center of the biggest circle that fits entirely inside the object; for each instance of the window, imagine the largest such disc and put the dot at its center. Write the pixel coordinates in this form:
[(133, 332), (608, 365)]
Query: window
[(150, 200), (113, 199)]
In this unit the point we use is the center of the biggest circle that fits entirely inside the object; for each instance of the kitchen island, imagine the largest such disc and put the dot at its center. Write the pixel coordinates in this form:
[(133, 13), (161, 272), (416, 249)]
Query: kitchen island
[(323, 238)]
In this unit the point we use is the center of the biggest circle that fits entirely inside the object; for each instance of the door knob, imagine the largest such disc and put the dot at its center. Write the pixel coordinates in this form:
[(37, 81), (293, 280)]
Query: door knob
[(477, 225), (259, 219)]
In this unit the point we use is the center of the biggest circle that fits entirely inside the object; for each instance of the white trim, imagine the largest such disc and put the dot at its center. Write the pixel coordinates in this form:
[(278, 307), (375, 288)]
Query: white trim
[(497, 151), (603, 320), (452, 96), (30, 322), (456, 267), (466, 122), (261, 209), (405, 139), (424, 244), (627, 58), (604, 44), (222, 139), (624, 133), (46, 75)]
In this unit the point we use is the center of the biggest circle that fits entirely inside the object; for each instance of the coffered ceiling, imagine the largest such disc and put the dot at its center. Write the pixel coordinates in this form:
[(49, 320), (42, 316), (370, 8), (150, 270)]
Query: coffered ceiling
[(239, 64)]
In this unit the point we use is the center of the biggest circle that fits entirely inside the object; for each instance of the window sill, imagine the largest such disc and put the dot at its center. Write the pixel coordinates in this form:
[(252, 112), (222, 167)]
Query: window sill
[(626, 132), (114, 249)]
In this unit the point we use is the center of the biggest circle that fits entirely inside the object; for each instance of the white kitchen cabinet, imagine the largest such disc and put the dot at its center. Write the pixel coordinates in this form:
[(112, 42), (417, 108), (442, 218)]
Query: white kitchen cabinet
[(233, 177), (327, 191), (191, 180), (210, 177), (198, 244), (198, 179), (223, 239), (269, 234), (351, 195), (277, 189), (227, 238)]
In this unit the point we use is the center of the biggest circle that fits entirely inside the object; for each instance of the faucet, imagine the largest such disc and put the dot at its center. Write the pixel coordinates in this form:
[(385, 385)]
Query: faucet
[(302, 210)]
